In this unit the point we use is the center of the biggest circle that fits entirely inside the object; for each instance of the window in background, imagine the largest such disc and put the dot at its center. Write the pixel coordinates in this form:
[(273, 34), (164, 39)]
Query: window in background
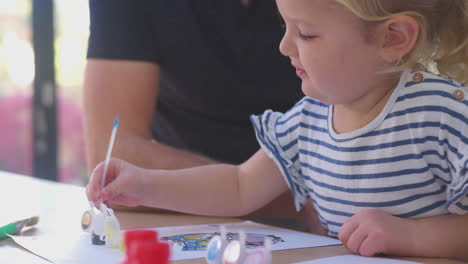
[(16, 79), (71, 41)]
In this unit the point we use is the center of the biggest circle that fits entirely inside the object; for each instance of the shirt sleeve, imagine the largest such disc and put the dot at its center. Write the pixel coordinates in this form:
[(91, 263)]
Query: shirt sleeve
[(457, 191), (277, 134), (121, 29)]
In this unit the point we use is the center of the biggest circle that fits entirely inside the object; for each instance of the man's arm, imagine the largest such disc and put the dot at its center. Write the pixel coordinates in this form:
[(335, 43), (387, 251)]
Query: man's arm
[(128, 89)]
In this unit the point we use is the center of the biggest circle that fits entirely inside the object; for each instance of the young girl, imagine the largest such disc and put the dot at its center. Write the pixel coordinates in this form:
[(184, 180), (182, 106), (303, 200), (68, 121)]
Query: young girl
[(379, 144)]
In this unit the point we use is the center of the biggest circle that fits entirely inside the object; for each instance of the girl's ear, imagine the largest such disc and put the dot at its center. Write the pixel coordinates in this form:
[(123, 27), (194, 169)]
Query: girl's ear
[(399, 35)]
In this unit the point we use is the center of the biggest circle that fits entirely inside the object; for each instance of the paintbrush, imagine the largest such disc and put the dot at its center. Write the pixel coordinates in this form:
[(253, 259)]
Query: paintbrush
[(16, 227)]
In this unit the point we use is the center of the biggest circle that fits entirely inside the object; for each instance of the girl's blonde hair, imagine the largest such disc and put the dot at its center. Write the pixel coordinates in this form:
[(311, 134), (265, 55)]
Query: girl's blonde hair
[(443, 38)]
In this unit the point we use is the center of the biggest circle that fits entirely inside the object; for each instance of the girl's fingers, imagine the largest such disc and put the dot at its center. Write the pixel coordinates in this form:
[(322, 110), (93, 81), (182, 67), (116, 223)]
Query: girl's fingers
[(356, 239), (346, 230), (114, 188), (94, 187), (371, 247), (118, 183)]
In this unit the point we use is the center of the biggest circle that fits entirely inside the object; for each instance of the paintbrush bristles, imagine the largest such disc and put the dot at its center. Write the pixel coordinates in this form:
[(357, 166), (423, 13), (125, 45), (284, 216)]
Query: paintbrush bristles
[(26, 222), (33, 221)]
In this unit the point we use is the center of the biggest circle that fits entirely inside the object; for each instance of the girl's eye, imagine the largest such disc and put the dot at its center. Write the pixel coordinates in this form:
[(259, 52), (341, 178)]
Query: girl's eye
[(306, 37)]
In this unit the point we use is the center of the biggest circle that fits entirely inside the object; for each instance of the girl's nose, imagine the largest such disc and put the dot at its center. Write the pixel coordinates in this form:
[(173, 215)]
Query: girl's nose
[(286, 46)]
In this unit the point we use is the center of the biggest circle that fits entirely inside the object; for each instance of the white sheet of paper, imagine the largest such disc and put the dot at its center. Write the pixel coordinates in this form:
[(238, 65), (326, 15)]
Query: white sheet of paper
[(78, 249), (10, 254), (292, 239), (74, 249), (353, 259)]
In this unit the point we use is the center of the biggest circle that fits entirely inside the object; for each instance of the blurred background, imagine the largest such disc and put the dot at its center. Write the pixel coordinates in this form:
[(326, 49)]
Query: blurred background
[(43, 137)]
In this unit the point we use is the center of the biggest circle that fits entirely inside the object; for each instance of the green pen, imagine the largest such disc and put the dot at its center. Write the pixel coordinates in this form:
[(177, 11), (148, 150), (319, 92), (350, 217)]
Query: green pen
[(16, 227)]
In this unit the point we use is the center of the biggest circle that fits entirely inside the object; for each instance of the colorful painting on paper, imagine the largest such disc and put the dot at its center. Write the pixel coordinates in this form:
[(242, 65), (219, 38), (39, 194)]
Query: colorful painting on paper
[(199, 241)]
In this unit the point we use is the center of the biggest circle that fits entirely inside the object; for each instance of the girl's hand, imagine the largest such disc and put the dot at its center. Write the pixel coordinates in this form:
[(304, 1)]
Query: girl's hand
[(124, 184), (372, 232)]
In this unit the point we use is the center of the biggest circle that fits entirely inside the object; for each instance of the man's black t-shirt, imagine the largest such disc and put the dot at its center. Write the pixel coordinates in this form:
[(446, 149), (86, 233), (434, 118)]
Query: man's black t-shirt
[(219, 63)]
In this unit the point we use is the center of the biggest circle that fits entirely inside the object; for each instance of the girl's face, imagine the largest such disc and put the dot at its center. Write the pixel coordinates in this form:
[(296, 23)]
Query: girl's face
[(327, 44)]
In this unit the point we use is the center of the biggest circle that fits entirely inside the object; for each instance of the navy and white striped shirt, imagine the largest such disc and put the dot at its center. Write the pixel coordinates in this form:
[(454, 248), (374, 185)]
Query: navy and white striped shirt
[(411, 161)]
